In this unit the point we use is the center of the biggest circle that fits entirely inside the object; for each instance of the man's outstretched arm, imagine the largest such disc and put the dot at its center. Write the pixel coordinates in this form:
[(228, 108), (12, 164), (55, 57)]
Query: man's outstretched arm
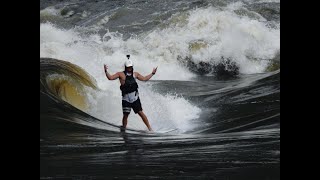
[(146, 78), (109, 76)]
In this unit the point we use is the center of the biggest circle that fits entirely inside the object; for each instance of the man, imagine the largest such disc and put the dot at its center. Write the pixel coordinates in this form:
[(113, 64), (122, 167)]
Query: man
[(129, 88)]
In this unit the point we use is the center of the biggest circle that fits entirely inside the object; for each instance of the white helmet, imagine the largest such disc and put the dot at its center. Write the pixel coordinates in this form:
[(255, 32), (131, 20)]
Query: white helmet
[(128, 63)]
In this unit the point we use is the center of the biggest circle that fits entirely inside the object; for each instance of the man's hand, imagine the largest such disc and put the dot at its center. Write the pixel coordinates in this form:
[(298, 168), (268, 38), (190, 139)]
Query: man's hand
[(109, 76), (105, 68), (154, 70)]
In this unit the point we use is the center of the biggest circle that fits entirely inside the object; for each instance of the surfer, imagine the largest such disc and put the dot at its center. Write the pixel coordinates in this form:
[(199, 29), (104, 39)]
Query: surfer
[(129, 89)]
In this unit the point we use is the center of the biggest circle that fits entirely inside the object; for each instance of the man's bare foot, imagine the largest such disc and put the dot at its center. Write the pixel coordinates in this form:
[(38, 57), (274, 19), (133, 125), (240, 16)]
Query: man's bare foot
[(122, 129)]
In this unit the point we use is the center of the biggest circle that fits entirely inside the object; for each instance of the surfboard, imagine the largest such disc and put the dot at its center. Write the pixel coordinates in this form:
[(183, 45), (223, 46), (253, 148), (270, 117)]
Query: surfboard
[(146, 131)]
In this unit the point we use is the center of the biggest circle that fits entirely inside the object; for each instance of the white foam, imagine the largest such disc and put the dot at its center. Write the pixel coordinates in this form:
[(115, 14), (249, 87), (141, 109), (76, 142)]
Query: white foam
[(164, 112), (249, 42)]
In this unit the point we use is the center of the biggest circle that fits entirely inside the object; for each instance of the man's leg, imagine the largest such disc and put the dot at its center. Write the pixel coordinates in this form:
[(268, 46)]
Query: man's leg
[(125, 120), (145, 120), (126, 111)]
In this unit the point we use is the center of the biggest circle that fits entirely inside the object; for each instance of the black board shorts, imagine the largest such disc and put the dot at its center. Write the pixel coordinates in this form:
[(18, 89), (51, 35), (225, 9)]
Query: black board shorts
[(136, 106)]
